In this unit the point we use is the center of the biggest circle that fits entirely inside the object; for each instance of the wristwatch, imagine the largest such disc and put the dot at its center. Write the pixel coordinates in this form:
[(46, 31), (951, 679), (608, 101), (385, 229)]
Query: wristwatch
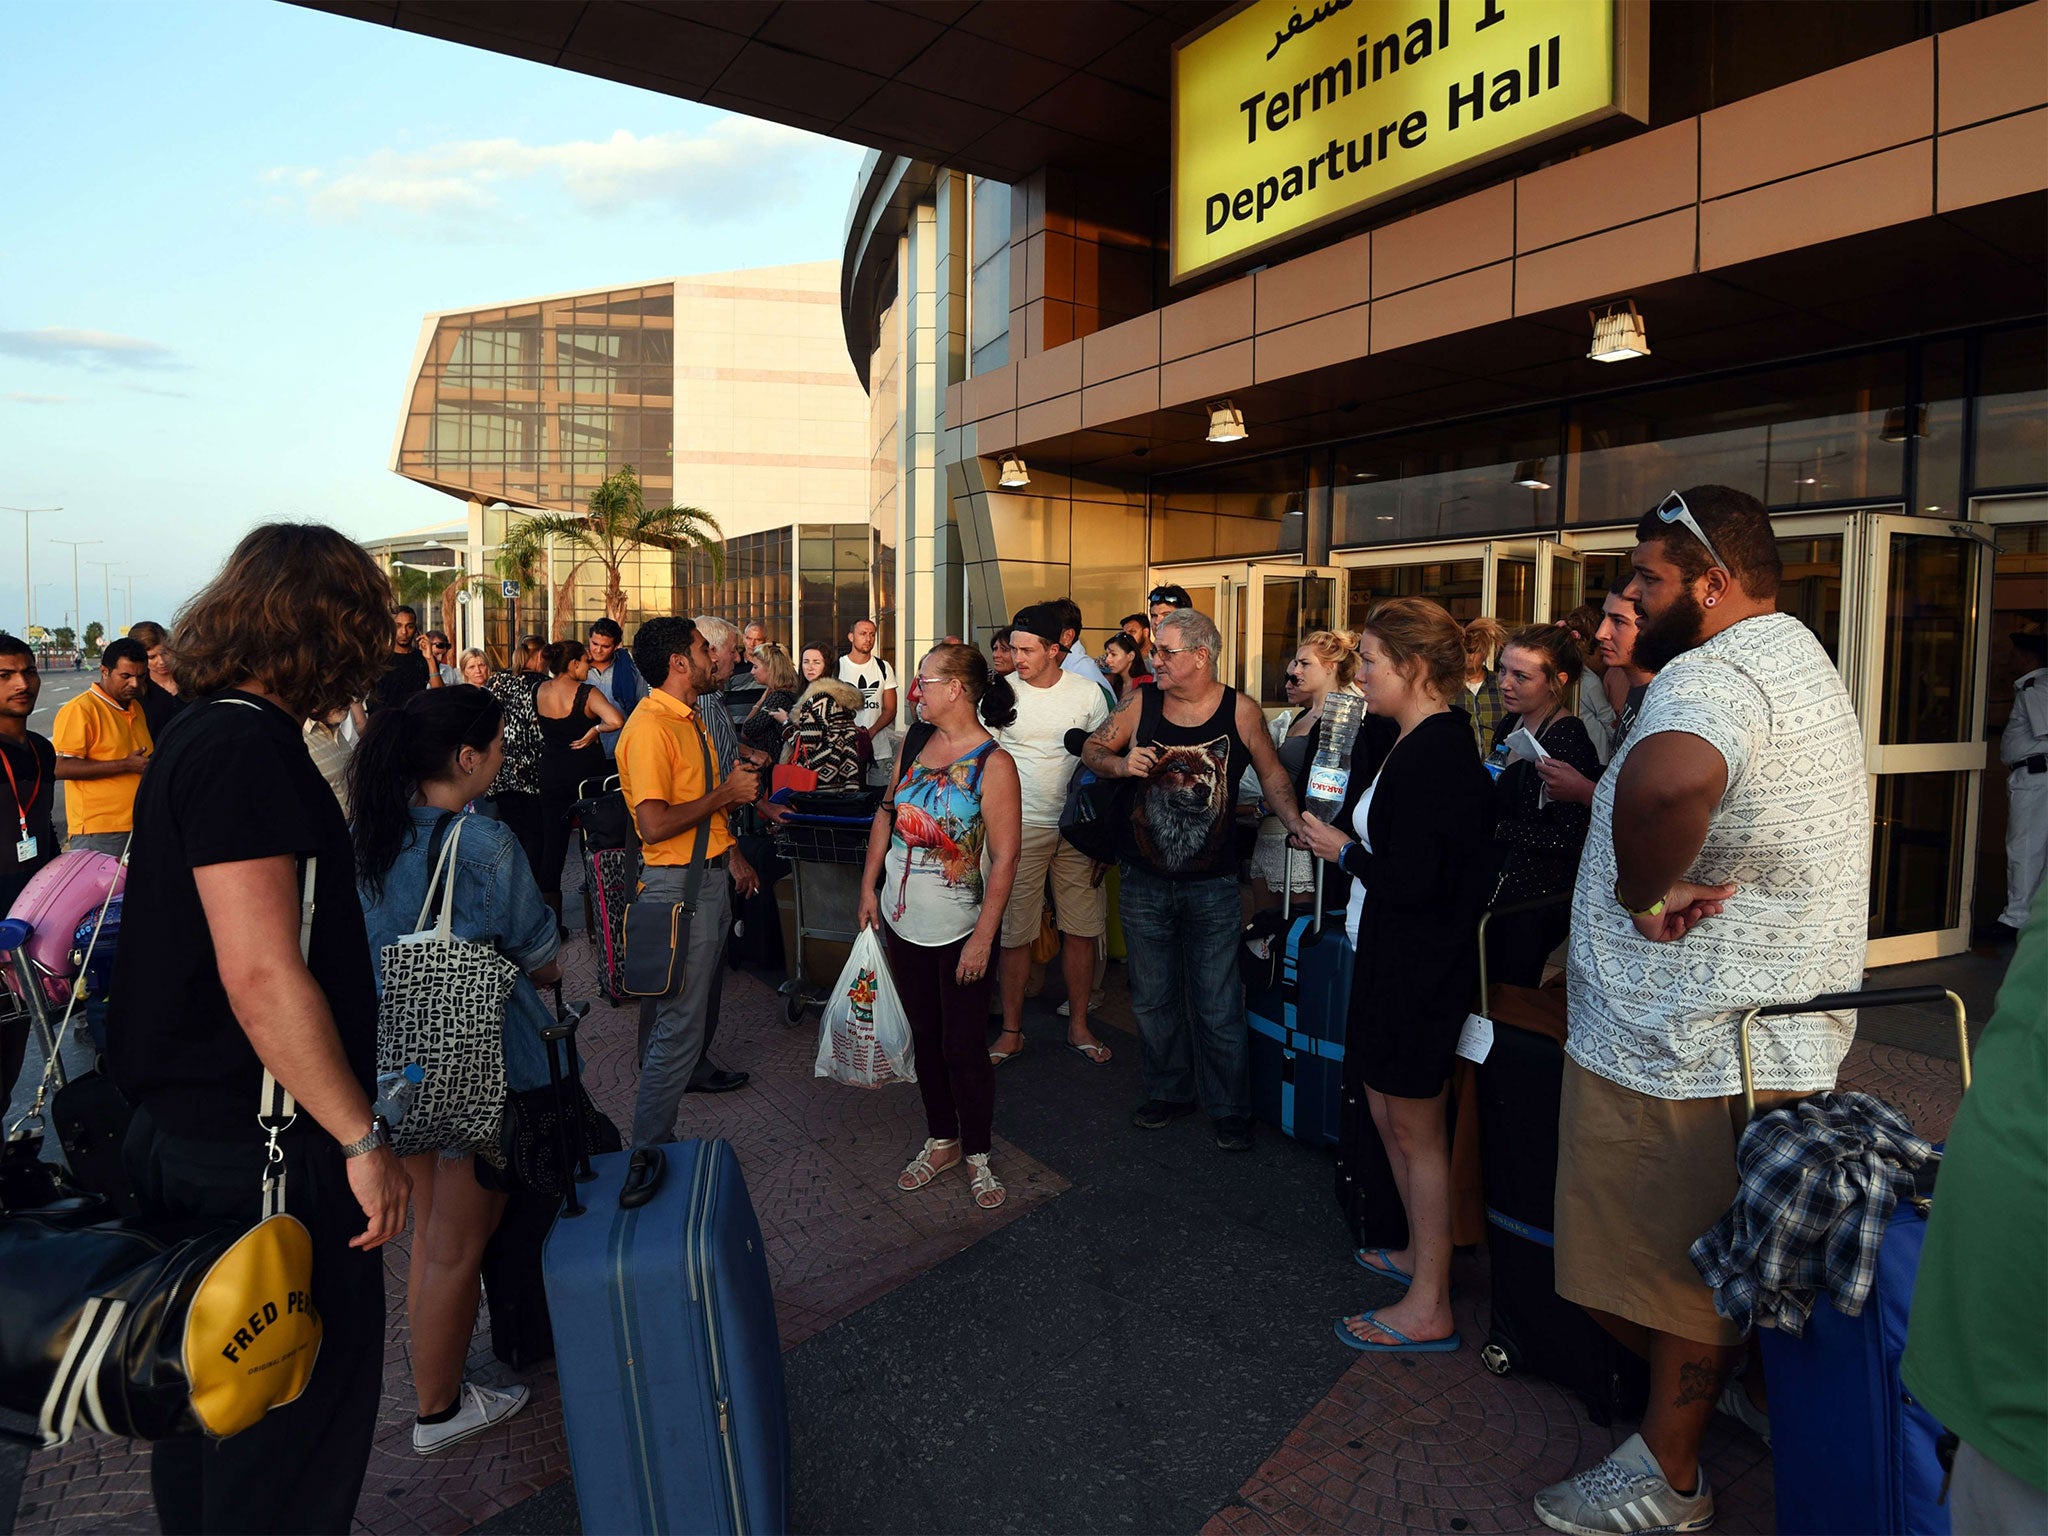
[(1655, 909), (378, 1135)]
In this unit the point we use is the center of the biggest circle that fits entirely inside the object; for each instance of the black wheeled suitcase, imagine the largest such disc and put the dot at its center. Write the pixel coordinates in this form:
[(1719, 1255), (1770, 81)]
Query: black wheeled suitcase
[(1529, 1326)]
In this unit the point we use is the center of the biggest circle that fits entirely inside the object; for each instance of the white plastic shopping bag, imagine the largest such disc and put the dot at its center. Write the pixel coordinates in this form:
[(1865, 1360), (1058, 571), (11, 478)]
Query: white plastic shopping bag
[(864, 1040)]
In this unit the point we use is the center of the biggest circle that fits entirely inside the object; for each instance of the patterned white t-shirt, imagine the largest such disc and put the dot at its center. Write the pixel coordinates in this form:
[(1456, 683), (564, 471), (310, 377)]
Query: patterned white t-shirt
[(1792, 833)]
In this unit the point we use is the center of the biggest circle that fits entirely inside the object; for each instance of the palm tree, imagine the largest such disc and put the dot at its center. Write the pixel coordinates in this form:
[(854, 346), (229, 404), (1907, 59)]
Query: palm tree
[(618, 520), (419, 588)]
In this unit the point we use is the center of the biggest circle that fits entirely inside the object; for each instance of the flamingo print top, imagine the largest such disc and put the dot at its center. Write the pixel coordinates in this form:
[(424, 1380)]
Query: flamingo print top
[(931, 878)]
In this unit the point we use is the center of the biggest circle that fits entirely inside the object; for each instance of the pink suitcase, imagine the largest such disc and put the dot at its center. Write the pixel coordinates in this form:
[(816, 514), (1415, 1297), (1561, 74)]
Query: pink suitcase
[(60, 896)]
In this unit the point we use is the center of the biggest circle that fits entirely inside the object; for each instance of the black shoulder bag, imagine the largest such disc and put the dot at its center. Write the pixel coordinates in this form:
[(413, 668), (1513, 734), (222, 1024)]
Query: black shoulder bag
[(1097, 808)]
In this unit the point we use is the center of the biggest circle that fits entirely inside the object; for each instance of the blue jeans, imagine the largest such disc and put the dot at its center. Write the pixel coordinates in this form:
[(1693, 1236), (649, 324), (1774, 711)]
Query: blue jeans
[(1181, 939), (674, 1027)]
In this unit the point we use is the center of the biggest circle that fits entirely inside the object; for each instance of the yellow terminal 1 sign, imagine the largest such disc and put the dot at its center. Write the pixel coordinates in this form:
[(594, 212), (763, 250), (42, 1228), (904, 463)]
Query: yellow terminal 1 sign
[(1287, 116)]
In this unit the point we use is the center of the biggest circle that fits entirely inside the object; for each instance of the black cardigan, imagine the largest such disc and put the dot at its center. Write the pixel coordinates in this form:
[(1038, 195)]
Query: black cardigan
[(1428, 877)]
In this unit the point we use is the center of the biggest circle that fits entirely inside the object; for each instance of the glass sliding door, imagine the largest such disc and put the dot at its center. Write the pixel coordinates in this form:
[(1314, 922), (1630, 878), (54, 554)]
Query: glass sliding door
[(1263, 611)]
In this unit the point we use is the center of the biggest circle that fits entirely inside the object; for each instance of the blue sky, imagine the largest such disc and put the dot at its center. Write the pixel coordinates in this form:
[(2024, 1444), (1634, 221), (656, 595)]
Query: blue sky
[(221, 224)]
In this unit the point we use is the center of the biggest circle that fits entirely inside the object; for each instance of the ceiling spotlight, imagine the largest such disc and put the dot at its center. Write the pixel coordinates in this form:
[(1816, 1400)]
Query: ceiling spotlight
[(1903, 422), (1530, 473), (1618, 333), (1013, 477), (1226, 423)]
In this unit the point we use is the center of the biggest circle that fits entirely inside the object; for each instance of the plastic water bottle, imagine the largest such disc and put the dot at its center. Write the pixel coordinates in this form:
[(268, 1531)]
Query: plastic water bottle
[(395, 1091), (1330, 773)]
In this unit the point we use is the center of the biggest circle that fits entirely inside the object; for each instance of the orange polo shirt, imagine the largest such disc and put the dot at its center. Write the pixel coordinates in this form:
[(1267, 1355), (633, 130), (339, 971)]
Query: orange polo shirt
[(92, 726), (660, 758)]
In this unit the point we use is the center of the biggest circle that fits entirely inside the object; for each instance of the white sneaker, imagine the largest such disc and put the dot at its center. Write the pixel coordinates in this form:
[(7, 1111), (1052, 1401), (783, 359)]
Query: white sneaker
[(1625, 1493), (481, 1408), (1736, 1404)]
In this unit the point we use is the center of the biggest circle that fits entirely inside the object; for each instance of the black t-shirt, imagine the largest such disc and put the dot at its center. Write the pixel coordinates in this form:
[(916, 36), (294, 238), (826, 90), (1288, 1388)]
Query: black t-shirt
[(158, 706), (31, 791), (405, 674), (229, 781)]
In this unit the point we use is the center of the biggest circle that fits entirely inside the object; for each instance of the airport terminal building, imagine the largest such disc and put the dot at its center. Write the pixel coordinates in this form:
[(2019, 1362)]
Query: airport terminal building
[(1303, 306)]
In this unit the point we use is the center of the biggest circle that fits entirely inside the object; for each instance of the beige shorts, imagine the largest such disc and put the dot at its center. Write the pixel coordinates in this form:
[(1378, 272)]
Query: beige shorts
[(1639, 1181), (1080, 905)]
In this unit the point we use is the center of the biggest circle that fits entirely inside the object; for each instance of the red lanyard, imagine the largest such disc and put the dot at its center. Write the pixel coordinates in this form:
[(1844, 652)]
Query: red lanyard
[(20, 805)]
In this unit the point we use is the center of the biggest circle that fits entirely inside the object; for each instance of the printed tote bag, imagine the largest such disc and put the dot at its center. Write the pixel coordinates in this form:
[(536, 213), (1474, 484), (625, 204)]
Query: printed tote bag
[(443, 1008)]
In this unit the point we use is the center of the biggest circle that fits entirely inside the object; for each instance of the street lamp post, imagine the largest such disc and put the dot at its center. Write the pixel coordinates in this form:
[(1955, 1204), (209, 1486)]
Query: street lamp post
[(106, 589), (76, 606), (28, 581)]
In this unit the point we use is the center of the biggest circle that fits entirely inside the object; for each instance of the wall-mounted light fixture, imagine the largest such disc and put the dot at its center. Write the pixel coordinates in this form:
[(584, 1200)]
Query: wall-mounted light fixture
[(1902, 422), (1013, 477), (1529, 473), (1618, 333), (1226, 423)]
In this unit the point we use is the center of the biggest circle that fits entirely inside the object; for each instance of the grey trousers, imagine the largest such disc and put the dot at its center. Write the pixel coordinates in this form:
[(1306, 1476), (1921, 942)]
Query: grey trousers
[(1986, 1500), (673, 1028), (113, 844)]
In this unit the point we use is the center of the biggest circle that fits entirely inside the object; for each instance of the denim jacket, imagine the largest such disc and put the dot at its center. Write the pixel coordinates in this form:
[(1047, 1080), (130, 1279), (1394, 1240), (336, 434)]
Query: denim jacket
[(496, 902)]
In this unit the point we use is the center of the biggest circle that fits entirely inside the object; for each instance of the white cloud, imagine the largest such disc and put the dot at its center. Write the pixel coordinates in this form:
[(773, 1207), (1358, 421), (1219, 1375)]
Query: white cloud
[(20, 397), (725, 172), (97, 350)]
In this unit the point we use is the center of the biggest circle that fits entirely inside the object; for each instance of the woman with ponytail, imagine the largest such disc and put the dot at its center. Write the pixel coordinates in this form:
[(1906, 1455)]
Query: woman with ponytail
[(1415, 842), (941, 860), (418, 766)]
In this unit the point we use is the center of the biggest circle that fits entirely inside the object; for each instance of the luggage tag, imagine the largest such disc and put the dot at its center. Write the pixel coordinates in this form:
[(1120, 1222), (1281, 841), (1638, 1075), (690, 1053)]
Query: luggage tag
[(1475, 1040)]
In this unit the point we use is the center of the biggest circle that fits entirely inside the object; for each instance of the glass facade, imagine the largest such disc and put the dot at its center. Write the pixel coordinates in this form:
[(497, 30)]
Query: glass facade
[(536, 403), (808, 584), (832, 583), (1896, 427)]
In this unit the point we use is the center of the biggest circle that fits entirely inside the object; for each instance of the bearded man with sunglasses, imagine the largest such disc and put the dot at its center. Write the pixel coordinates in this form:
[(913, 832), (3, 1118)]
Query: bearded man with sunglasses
[(1727, 866)]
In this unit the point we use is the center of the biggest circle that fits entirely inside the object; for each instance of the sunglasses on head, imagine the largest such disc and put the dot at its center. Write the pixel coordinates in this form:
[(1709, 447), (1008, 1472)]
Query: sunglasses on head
[(1171, 599), (1673, 512)]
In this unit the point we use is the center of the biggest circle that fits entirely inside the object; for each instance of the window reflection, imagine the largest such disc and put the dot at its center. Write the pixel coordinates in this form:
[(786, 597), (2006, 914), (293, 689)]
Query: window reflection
[(1460, 585), (1492, 477), (1794, 437), (2012, 409), (1930, 628), (1810, 589), (1914, 883), (1235, 511)]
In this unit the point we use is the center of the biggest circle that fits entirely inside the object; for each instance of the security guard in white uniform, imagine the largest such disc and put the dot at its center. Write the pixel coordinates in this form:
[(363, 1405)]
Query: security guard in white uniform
[(2023, 748)]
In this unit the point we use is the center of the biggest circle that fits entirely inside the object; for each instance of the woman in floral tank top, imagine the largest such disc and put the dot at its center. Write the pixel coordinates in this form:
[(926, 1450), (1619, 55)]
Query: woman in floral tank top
[(941, 860)]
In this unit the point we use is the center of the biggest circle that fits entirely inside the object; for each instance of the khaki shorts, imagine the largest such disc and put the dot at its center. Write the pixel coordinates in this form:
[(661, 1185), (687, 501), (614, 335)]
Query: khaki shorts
[(1639, 1181), (1080, 906)]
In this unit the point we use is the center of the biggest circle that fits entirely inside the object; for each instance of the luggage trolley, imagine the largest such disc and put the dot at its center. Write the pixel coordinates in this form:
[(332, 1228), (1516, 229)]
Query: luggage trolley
[(827, 848)]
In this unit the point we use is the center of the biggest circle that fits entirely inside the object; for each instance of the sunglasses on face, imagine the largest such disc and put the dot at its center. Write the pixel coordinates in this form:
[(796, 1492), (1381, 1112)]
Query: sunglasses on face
[(1673, 512)]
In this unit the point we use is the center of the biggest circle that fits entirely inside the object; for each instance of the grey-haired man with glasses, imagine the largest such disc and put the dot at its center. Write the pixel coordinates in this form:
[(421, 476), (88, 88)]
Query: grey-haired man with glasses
[(1728, 865)]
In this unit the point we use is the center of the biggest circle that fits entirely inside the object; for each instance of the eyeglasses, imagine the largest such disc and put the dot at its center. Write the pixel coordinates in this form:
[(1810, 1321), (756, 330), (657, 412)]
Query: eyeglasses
[(1673, 510), (1174, 650), (926, 682)]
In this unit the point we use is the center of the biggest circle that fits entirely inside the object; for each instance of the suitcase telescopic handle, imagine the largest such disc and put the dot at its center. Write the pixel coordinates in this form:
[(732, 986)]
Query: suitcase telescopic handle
[(1837, 1002), (1508, 909)]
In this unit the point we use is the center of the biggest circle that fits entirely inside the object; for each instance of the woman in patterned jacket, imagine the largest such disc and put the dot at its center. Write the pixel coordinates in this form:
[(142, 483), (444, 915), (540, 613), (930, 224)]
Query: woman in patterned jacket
[(826, 739), (418, 766)]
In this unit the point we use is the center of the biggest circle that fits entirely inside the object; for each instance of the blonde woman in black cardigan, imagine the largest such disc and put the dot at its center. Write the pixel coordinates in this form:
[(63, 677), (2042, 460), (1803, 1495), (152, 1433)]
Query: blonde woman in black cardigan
[(1416, 842)]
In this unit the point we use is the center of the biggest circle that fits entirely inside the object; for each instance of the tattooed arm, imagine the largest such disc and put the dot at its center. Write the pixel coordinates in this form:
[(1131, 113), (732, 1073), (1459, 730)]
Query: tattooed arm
[(1109, 753)]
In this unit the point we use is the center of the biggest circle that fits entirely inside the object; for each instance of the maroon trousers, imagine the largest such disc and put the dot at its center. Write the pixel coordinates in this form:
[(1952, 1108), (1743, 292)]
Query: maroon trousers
[(949, 1029)]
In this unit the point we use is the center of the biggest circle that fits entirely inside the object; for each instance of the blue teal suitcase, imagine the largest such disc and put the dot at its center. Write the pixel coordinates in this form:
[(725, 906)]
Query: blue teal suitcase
[(666, 1344), (1297, 1033), (1851, 1449)]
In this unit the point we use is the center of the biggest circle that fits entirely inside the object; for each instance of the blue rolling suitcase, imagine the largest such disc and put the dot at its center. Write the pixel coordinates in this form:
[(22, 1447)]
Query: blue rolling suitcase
[(1297, 1031), (666, 1344), (1852, 1451)]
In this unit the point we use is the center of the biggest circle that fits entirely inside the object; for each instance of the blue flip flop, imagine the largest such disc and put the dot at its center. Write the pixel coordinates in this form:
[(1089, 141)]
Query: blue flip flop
[(1385, 1269), (1406, 1346)]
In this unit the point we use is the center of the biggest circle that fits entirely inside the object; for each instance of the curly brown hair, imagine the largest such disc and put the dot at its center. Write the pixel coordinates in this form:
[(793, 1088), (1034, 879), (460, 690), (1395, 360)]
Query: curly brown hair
[(300, 608)]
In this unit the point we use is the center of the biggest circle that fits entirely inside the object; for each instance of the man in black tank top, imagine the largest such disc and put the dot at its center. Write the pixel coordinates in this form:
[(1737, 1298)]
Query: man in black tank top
[(1186, 740)]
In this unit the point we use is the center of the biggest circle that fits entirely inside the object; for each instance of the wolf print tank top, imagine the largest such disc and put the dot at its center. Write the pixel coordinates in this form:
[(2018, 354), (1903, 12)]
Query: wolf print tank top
[(1184, 813)]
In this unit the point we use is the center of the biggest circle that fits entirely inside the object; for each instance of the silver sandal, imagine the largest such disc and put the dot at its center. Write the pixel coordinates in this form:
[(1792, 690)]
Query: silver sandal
[(919, 1171), (986, 1184)]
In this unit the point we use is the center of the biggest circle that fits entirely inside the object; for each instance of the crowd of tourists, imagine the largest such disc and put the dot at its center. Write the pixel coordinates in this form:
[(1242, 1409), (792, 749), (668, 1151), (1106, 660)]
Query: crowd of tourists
[(1680, 761)]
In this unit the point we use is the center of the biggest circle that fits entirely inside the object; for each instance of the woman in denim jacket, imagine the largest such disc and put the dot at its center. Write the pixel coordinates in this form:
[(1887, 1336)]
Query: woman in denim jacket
[(419, 765)]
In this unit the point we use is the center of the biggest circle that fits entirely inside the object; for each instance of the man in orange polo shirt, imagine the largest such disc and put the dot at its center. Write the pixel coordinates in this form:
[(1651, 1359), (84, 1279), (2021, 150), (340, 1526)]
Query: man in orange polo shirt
[(678, 791), (103, 744)]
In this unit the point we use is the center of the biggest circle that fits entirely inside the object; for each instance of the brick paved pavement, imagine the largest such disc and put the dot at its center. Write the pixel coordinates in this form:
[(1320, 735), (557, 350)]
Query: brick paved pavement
[(821, 1163)]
